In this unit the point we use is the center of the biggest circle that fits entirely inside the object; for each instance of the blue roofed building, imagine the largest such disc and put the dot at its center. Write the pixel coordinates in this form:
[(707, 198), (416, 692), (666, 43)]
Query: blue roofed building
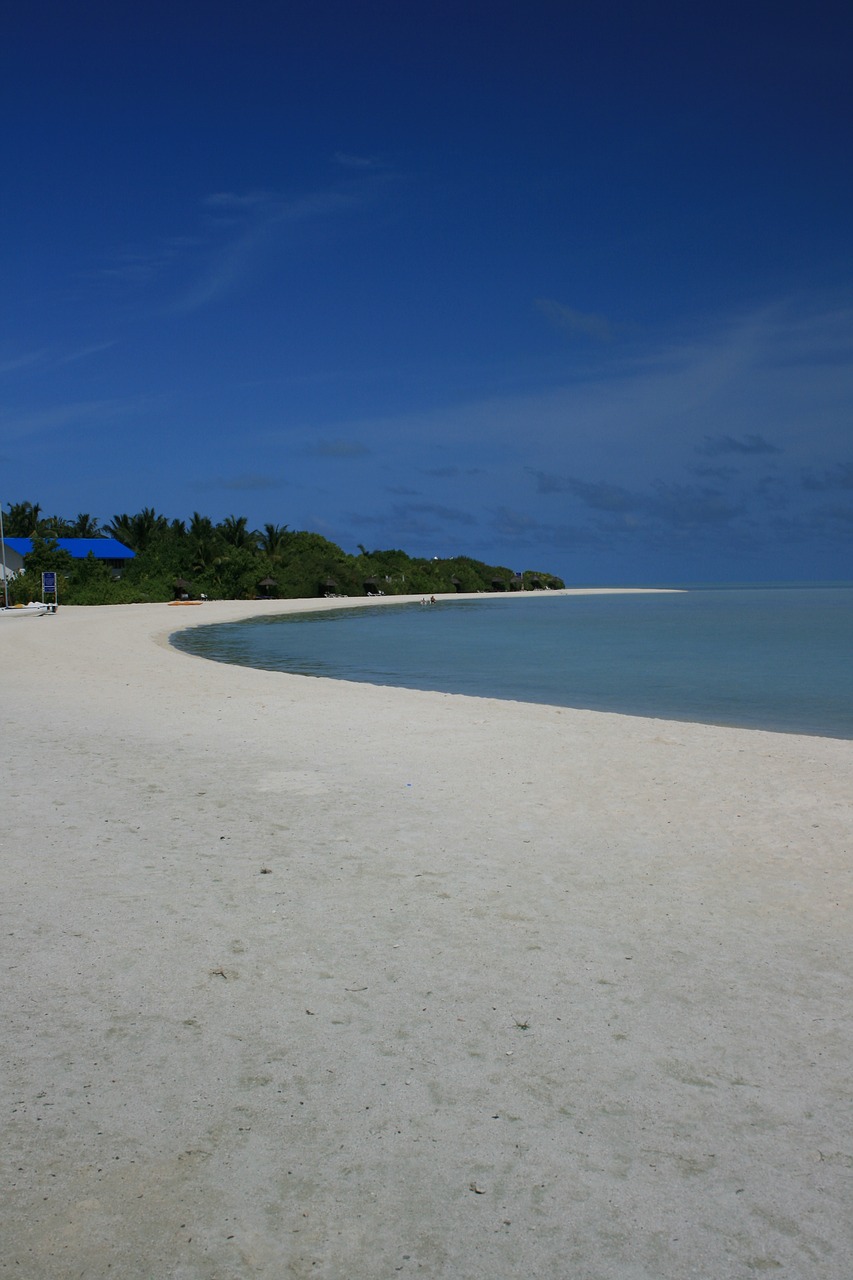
[(108, 550)]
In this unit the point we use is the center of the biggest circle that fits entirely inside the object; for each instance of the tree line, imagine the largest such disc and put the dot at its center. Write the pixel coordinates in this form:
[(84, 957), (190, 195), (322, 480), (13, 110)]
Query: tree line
[(229, 560)]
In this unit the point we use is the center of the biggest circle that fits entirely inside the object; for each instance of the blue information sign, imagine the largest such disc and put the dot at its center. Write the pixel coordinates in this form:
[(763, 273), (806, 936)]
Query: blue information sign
[(48, 581)]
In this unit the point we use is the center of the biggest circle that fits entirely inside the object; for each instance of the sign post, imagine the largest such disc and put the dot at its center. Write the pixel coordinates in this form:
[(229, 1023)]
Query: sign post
[(48, 586)]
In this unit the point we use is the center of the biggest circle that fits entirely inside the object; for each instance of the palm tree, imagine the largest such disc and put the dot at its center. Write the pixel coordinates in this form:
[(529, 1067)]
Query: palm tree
[(121, 528), (235, 532), (22, 520), (138, 531), (273, 539), (203, 542), (147, 525), (54, 527), (200, 526), (86, 526)]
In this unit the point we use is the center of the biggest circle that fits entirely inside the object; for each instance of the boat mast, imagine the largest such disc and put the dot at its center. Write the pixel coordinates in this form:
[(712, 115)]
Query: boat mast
[(3, 551)]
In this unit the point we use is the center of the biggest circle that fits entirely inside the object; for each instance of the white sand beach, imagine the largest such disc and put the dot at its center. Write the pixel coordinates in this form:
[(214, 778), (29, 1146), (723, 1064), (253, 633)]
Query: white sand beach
[(305, 978)]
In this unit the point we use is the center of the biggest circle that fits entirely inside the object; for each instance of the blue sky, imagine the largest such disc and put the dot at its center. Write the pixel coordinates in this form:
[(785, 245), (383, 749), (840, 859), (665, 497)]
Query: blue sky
[(562, 286)]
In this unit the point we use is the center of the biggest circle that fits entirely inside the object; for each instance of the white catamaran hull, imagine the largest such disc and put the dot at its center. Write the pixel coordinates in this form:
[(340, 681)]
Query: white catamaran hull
[(26, 611)]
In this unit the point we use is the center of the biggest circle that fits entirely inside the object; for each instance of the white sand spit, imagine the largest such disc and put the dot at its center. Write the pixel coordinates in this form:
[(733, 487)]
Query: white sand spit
[(313, 979)]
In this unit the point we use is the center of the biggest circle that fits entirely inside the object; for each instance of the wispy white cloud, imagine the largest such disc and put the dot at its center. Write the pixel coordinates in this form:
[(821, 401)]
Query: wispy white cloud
[(645, 410), (237, 234), (23, 360), (713, 446), (84, 353), (520, 529), (61, 417), (233, 200), (511, 523), (253, 224), (839, 476), (715, 473), (417, 519), (348, 160), (684, 505), (138, 266), (450, 473), (610, 458), (51, 357), (250, 482), (584, 323), (336, 449)]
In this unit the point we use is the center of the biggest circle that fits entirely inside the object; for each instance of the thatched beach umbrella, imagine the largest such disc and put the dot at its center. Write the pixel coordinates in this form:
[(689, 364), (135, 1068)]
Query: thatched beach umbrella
[(267, 585), (456, 584), (498, 584), (328, 587), (371, 586), (181, 588)]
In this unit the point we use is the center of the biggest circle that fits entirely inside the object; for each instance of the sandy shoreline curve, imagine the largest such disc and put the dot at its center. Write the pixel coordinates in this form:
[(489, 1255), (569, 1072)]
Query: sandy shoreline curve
[(314, 978)]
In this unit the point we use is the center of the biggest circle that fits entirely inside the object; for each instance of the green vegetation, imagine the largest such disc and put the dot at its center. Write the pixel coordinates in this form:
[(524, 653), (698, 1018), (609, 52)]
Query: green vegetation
[(231, 561)]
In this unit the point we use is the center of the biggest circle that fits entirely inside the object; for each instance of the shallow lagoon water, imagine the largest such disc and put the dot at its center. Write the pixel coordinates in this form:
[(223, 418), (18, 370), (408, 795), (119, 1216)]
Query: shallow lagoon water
[(772, 658)]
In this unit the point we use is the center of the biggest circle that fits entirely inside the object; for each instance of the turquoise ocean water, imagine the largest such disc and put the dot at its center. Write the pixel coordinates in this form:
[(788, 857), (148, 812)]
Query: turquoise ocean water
[(776, 658)]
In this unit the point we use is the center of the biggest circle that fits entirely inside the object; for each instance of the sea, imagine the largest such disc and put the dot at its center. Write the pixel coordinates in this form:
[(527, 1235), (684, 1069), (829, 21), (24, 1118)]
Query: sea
[(773, 657)]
